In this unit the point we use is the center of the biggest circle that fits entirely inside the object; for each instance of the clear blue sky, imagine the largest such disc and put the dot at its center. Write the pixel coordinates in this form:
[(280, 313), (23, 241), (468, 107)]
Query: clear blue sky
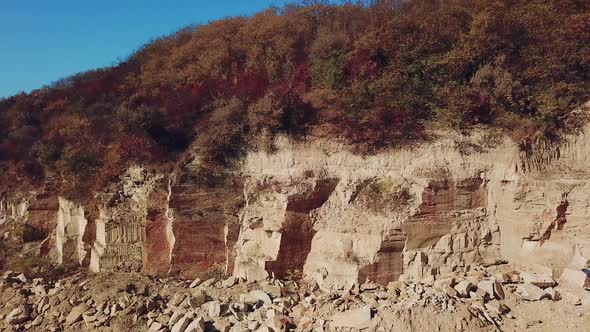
[(42, 41)]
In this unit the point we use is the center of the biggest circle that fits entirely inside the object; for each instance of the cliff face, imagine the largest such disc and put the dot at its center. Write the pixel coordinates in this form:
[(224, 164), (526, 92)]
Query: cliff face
[(315, 210)]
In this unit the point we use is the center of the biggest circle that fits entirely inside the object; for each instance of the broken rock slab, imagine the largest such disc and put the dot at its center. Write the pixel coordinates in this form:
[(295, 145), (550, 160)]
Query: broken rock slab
[(539, 280), (464, 288), (493, 288), (356, 318), (272, 290), (261, 295), (530, 292), (213, 309), (76, 314), (497, 307), (181, 325), (194, 283), (18, 315), (511, 277), (197, 325), (580, 278)]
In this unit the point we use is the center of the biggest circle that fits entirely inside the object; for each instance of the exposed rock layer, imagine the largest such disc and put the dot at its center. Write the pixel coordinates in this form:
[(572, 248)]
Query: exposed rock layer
[(336, 218)]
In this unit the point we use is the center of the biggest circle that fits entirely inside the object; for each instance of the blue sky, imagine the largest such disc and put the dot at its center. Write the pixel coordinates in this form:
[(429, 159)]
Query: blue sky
[(42, 41)]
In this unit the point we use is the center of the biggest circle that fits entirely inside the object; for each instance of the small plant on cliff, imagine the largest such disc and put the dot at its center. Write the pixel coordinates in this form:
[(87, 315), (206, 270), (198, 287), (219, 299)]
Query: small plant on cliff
[(388, 194)]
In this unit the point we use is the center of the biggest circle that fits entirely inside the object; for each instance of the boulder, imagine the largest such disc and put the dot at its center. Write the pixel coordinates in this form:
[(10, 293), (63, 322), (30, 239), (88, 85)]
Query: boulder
[(357, 318), (441, 284), (176, 316), (552, 294), (450, 291), (248, 299), (279, 323), (272, 290), (197, 325), (156, 326), (213, 309), (480, 294), (493, 288), (21, 277), (222, 325), (229, 282), (18, 315), (579, 278), (497, 307), (194, 283), (181, 325), (539, 280), (176, 300), (499, 291), (369, 286), (261, 295), (464, 288), (530, 292), (76, 314), (37, 321), (196, 300)]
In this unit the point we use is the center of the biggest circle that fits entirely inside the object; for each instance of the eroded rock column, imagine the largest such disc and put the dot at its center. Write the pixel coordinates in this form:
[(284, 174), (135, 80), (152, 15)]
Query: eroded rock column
[(71, 225), (159, 239)]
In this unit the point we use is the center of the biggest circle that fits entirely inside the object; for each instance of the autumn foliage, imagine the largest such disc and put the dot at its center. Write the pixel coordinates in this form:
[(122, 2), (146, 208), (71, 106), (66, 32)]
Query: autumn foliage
[(376, 75)]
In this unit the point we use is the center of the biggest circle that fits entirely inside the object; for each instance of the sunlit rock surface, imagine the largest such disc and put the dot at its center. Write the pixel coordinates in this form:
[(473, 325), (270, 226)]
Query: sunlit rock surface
[(315, 210)]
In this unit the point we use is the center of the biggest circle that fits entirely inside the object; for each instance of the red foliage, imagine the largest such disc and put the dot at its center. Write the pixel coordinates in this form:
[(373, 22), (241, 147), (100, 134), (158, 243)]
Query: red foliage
[(138, 148), (250, 85), (301, 78), (56, 105), (361, 65)]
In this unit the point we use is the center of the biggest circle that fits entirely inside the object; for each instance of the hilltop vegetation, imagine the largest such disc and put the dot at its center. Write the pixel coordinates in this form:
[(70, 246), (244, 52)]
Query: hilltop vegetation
[(377, 76)]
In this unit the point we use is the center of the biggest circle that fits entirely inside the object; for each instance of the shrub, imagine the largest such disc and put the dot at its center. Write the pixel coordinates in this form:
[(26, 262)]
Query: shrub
[(386, 194), (222, 142), (327, 59), (80, 160), (138, 148)]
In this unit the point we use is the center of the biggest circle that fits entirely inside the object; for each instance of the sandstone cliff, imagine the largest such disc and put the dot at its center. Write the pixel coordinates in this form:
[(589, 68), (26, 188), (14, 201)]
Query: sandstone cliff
[(313, 210)]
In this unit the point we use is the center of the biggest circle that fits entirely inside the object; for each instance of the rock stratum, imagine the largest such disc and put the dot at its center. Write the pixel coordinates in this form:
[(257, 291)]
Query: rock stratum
[(313, 211)]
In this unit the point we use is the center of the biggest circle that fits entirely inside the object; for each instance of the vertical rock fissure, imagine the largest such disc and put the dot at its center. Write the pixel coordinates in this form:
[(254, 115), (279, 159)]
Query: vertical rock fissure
[(559, 221), (169, 224), (297, 231)]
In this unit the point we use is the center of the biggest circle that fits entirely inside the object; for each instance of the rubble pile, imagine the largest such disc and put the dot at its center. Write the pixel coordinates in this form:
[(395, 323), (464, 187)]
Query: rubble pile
[(132, 302)]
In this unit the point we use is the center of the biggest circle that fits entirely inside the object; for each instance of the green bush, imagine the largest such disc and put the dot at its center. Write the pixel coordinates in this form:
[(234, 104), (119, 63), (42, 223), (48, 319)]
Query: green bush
[(327, 59)]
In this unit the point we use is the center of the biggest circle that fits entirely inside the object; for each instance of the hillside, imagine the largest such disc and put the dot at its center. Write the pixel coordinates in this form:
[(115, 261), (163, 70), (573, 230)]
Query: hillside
[(386, 166), (370, 76)]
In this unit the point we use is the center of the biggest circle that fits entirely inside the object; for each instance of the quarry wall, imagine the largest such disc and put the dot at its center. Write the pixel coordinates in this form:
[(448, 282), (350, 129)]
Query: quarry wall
[(314, 210)]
